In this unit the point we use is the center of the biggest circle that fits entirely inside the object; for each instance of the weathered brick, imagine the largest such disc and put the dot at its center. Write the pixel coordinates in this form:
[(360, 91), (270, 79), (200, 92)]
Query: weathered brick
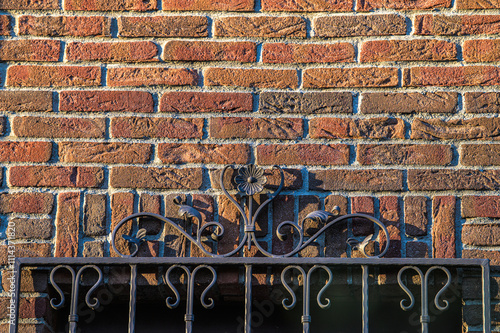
[(448, 179), (283, 210), (416, 216), (122, 205), (111, 5), (23, 250), (163, 26), (11, 151), (472, 315), (407, 50), (429, 102), (362, 205), (443, 228), (152, 76), (143, 128), (29, 327), (200, 5), (487, 154), (180, 153), (493, 256), (104, 152), (53, 76), (336, 237), (465, 129), (67, 224), (53, 26), (390, 216), (32, 280), (26, 202), (417, 250), (142, 51), (260, 26), (303, 154), (94, 217), (404, 154), (30, 50), (29, 5), (251, 77), (256, 128), (229, 216), (32, 228), (456, 24), (168, 178), (5, 25), (350, 77), (307, 6), (307, 205), (190, 101), (356, 180), (179, 50), (481, 50), (346, 128), (481, 234), (480, 206), (276, 53), (105, 101), (25, 101), (451, 76), (477, 4), (41, 127), (93, 249), (151, 203), (3, 125), (367, 5), (359, 25), (306, 103), (482, 102), (55, 176)]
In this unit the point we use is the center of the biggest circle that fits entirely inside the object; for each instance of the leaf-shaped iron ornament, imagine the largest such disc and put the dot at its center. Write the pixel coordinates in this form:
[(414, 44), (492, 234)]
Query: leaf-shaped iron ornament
[(187, 212), (250, 179), (356, 245), (138, 238), (319, 216)]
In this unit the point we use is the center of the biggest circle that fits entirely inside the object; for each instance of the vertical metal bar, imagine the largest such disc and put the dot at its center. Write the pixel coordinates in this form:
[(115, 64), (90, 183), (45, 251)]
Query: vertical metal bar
[(133, 293), (16, 296), (485, 267), (365, 297), (248, 298), (424, 318)]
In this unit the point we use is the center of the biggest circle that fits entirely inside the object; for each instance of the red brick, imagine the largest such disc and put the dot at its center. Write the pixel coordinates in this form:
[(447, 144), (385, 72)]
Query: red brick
[(251, 77), (30, 50), (350, 77), (456, 24), (105, 101), (486, 154), (477, 4), (407, 50), (25, 101), (429, 102), (180, 153), (53, 76), (5, 25), (122, 205), (305, 103), (368, 5), (390, 216), (303, 154), (307, 205), (33, 228), (362, 205), (104, 152), (359, 25), (67, 224), (191, 101), (151, 204), (32, 280), (111, 5), (276, 53), (260, 26), (467, 129), (417, 250), (29, 307), (3, 126), (53, 26), (159, 178), (482, 102), (336, 237), (416, 216), (94, 216), (356, 180), (443, 228), (163, 26), (55, 176), (27, 203), (152, 76), (229, 217), (346, 128), (112, 51), (493, 256), (29, 5), (307, 6), (209, 51), (12, 151), (404, 154), (255, 128), (480, 206), (451, 76), (481, 50), (449, 179), (200, 5), (143, 128), (23, 250), (481, 234), (41, 127), (283, 210)]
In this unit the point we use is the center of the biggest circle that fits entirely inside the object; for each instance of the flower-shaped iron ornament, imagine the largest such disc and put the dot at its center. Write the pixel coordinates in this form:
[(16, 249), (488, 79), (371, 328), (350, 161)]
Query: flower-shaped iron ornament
[(250, 179)]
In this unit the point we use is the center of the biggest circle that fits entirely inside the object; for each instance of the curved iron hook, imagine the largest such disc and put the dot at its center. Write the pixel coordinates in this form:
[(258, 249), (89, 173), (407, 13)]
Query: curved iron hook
[(171, 285), (405, 288), (442, 290), (56, 286), (204, 294), (95, 304), (288, 288), (320, 293)]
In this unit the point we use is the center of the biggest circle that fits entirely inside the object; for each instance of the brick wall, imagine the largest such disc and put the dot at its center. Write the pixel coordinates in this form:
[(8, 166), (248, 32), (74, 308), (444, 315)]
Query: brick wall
[(376, 106)]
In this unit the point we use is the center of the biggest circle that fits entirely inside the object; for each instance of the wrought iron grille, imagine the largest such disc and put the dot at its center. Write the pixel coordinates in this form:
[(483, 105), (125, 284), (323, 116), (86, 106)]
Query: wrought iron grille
[(250, 181)]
